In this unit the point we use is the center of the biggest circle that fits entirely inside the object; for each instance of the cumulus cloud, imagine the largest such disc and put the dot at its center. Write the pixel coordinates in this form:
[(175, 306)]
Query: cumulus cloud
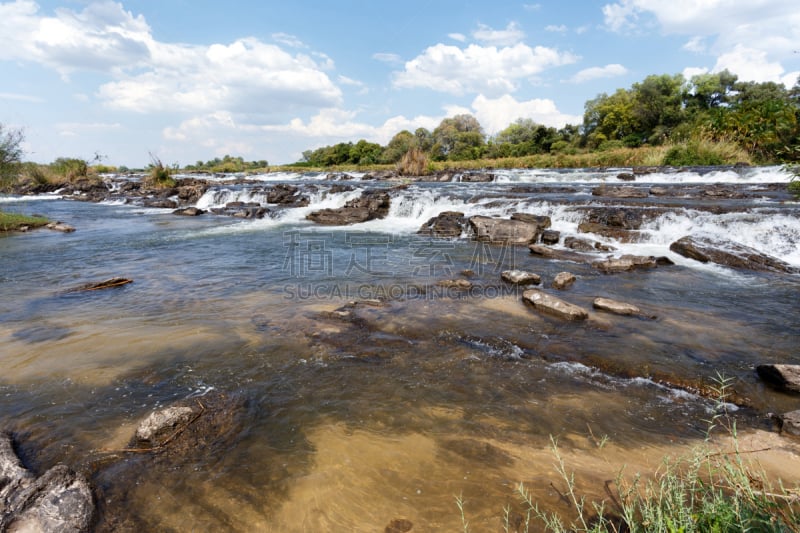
[(489, 70), (750, 38), (511, 35), (101, 37), (288, 39), (149, 75), (496, 114), (593, 73), (246, 75)]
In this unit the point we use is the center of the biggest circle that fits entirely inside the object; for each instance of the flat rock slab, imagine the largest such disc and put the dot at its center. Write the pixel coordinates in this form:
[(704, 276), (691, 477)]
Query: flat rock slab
[(615, 307), (782, 377), (729, 254), (58, 501), (548, 303), (520, 277)]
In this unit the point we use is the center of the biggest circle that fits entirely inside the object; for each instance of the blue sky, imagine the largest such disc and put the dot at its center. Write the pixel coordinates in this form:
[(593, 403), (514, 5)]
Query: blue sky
[(190, 80)]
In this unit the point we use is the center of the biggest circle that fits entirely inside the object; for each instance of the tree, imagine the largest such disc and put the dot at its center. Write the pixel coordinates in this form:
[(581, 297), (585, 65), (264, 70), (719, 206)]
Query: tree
[(365, 153), (10, 150), (609, 118), (458, 137), (400, 144), (657, 108)]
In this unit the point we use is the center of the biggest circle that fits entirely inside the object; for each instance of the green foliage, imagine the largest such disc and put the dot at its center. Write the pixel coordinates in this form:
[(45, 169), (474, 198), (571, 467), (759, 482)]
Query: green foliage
[(159, 176), (458, 138), (794, 183), (10, 152), (704, 152), (70, 168), (228, 164), (400, 144)]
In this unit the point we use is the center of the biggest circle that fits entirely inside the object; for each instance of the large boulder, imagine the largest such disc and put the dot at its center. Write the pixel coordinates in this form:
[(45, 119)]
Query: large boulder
[(499, 230), (782, 377), (370, 205), (446, 224), (728, 253), (286, 195), (549, 304), (543, 221), (58, 501)]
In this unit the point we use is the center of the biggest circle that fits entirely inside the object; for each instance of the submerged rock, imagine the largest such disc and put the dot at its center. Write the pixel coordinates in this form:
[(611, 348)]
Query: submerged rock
[(555, 306), (499, 230), (188, 212), (159, 425), (520, 277), (782, 377), (60, 226), (460, 284), (99, 285), (563, 255), (58, 501), (615, 307), (563, 280), (728, 253), (620, 192)]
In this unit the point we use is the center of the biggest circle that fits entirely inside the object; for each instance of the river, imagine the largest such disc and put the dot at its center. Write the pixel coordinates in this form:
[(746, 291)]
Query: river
[(416, 394)]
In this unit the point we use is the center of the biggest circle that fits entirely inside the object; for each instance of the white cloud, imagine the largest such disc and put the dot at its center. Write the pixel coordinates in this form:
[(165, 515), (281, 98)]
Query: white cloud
[(387, 57), (532, 7), (14, 97), (256, 78), (288, 39), (460, 37), (478, 69), (690, 72), (507, 37), (593, 73), (496, 114), (750, 38), (148, 75), (102, 37), (749, 64), (556, 29)]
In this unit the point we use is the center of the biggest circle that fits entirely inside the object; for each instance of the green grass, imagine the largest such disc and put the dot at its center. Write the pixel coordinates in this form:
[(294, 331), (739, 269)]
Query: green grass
[(15, 221)]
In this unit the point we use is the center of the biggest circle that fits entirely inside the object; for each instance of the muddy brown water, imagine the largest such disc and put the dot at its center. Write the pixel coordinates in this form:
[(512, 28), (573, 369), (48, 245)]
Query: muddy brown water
[(350, 417)]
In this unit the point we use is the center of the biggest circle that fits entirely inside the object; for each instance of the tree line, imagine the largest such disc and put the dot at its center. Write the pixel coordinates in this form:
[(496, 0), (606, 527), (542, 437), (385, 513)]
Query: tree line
[(761, 118)]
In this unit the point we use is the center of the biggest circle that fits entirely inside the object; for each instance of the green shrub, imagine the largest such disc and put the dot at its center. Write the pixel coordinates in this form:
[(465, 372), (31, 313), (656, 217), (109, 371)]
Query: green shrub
[(160, 176), (705, 153)]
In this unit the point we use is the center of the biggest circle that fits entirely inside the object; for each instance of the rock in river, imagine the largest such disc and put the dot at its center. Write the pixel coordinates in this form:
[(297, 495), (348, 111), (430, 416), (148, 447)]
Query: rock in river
[(613, 306), (499, 230), (728, 253), (370, 205), (790, 423), (555, 306), (563, 280), (520, 277), (446, 224), (782, 377), (58, 501)]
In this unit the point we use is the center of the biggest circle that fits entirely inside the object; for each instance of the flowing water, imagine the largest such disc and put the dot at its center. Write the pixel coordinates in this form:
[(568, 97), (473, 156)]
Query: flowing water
[(387, 410)]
